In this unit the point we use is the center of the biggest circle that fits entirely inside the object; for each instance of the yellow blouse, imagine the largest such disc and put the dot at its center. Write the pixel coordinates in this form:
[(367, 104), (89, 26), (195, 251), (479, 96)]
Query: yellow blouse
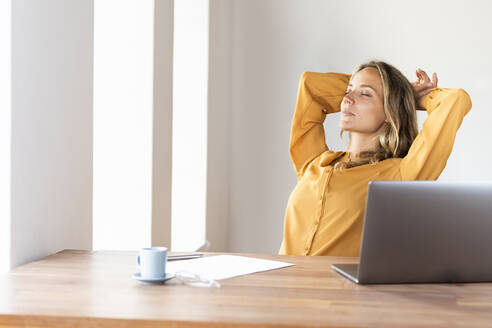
[(325, 210)]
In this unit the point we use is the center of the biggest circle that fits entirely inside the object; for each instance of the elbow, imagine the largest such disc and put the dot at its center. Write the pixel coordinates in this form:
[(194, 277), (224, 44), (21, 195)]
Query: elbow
[(461, 97), (305, 78), (305, 84)]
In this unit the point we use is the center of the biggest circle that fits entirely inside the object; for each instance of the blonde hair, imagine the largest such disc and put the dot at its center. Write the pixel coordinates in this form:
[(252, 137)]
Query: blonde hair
[(399, 105)]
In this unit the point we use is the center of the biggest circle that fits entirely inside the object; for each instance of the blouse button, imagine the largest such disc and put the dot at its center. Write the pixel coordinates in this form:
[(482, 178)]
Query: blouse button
[(324, 111)]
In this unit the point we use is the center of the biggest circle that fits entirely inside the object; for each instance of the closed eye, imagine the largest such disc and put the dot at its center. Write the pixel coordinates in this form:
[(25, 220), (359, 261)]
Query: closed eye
[(363, 94)]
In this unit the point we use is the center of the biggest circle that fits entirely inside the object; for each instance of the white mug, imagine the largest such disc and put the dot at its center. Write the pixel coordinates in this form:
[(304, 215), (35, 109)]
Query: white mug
[(152, 262)]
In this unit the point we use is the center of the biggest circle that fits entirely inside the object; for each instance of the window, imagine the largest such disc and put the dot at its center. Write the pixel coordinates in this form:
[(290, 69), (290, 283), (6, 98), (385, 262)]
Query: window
[(123, 90), (190, 87)]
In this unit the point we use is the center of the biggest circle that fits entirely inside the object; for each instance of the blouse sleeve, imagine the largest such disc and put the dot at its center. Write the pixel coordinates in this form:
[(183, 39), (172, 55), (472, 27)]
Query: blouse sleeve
[(319, 94), (431, 148)]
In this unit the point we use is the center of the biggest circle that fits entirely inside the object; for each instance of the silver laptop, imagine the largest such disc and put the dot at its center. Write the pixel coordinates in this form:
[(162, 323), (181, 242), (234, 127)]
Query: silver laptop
[(425, 232)]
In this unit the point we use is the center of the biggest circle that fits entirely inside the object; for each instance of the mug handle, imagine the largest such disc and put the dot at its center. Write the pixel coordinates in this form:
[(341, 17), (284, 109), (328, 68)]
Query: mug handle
[(138, 261)]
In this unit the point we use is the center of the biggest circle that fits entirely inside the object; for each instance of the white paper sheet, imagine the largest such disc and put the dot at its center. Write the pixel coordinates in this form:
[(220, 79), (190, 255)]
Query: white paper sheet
[(224, 266)]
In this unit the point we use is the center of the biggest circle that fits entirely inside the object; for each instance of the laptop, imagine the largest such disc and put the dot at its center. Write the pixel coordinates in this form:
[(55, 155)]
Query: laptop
[(425, 232)]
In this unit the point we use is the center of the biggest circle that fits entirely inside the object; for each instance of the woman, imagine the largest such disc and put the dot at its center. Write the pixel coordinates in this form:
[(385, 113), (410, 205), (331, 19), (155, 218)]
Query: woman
[(325, 211)]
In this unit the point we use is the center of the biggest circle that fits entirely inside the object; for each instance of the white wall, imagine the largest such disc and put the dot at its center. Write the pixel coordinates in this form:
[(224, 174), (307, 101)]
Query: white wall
[(51, 127), (163, 122), (5, 134), (274, 41), (219, 130)]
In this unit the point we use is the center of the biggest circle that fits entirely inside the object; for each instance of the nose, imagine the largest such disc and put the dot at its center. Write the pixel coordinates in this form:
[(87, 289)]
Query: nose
[(348, 98)]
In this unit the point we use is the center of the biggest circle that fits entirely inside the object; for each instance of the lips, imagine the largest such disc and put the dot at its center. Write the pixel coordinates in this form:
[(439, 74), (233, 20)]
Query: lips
[(347, 113)]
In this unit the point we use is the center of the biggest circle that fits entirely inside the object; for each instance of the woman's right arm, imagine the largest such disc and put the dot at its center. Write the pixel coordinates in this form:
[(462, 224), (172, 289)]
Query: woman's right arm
[(319, 94)]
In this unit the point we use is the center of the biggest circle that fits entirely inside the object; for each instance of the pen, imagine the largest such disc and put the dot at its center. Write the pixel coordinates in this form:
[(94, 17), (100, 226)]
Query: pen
[(183, 257)]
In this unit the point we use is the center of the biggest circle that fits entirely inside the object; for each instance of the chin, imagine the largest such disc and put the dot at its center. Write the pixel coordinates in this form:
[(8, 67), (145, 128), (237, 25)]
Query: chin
[(345, 127)]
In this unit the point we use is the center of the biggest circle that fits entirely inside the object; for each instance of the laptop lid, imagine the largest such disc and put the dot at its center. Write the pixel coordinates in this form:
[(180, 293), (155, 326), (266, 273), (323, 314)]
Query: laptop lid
[(427, 231)]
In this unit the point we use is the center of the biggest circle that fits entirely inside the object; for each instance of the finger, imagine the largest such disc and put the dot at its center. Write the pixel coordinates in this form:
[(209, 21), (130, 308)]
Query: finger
[(418, 83), (425, 76), (418, 72), (421, 74), (434, 80)]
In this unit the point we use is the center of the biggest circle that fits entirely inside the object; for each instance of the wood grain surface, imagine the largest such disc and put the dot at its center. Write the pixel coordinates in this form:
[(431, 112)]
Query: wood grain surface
[(95, 289)]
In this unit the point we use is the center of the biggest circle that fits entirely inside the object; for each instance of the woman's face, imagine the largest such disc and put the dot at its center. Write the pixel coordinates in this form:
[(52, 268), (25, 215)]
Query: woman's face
[(362, 107)]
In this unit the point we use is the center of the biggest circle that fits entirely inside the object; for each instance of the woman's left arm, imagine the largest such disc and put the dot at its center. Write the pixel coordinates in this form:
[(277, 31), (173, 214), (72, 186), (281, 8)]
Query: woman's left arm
[(430, 150)]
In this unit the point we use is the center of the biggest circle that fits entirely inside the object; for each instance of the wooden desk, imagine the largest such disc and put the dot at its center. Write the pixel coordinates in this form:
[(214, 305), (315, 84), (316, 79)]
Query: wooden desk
[(83, 289)]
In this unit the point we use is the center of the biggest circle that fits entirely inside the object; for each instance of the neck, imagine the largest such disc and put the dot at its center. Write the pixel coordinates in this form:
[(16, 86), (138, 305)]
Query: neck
[(362, 142)]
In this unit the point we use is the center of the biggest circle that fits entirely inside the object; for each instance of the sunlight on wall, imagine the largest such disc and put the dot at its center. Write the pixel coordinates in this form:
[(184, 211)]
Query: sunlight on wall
[(123, 91), (190, 83)]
